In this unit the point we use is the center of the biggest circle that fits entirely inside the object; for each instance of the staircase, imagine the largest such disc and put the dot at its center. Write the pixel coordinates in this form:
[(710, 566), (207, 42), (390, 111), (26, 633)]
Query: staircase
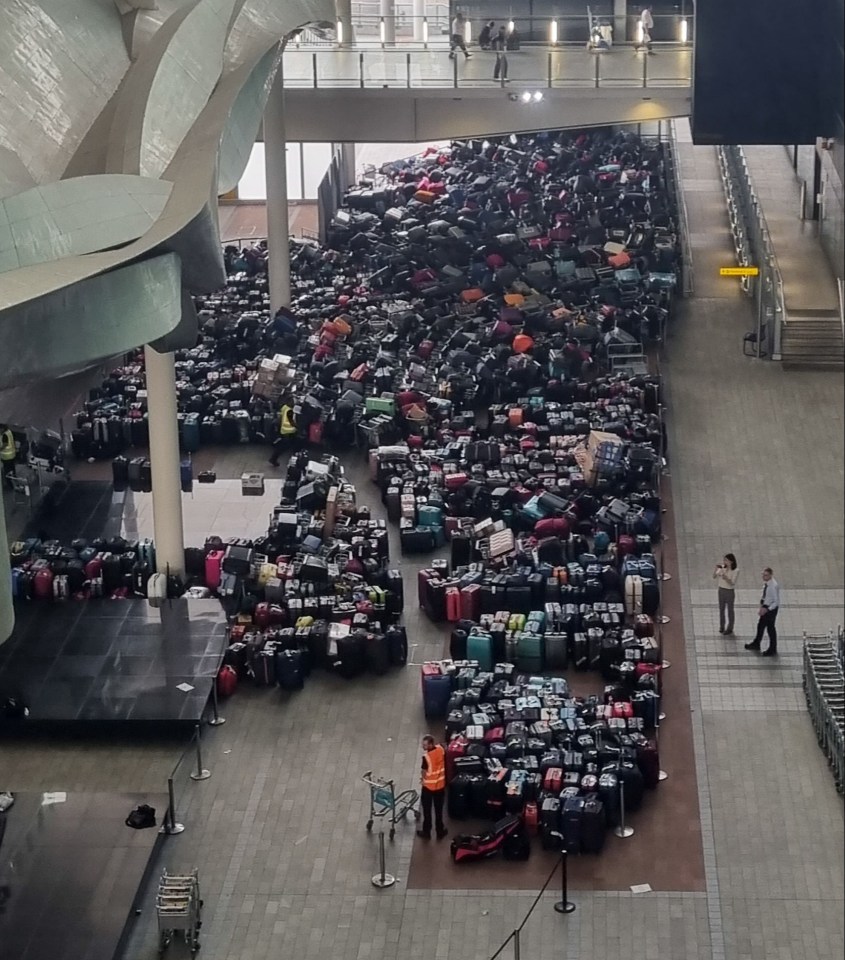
[(813, 341)]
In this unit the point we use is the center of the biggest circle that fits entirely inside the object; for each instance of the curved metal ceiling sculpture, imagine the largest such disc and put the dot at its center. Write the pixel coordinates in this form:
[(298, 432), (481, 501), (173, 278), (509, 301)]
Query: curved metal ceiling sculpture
[(179, 118)]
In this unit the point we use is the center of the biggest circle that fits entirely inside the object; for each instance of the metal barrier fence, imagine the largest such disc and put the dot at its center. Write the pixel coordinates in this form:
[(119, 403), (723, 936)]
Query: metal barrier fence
[(435, 29), (824, 688), (754, 248), (547, 66), (675, 184)]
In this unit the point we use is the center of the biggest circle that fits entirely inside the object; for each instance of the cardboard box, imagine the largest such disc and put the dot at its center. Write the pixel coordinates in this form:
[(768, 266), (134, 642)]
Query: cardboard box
[(252, 484)]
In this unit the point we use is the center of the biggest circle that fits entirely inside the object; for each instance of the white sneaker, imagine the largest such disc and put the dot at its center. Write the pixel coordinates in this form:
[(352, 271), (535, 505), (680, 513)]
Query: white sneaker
[(6, 801)]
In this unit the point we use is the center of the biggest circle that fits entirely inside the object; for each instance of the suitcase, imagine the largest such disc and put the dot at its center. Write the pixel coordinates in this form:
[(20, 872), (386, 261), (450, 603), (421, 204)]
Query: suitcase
[(157, 589), (556, 651), (213, 569), (480, 648), (471, 602), (397, 643), (289, 668), (550, 823), (633, 595), (227, 681), (571, 824), (453, 604), (648, 761), (459, 796), (593, 825), (377, 653), (120, 473)]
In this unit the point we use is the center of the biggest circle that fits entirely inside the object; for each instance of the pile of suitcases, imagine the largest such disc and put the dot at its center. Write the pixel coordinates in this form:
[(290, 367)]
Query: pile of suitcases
[(83, 570), (479, 273), (522, 745)]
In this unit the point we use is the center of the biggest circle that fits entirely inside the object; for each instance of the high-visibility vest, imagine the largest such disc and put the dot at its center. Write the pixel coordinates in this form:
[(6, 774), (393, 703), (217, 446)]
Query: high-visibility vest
[(7, 446), (286, 425), (434, 775)]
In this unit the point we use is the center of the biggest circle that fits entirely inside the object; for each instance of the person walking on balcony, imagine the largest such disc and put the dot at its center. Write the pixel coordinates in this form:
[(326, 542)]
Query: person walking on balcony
[(499, 43), (486, 35), (457, 40), (646, 29)]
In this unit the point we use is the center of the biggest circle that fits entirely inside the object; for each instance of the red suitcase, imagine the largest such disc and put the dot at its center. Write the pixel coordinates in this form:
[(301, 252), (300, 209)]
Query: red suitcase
[(213, 565), (623, 709), (470, 602), (315, 432), (227, 681), (42, 587), (494, 735), (648, 760), (457, 747), (453, 604), (552, 527), (93, 568), (455, 480), (643, 625), (553, 779), (422, 584), (262, 615), (531, 817), (625, 545)]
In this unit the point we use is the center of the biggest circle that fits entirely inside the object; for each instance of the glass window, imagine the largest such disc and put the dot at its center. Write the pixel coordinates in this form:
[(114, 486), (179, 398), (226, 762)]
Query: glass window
[(317, 157)]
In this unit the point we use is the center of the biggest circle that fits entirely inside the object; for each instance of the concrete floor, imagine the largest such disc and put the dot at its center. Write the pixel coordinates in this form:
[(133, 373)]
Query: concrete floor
[(277, 832)]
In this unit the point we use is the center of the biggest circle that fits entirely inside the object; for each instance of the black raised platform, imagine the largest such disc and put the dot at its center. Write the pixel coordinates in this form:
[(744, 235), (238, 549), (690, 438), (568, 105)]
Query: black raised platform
[(112, 662), (70, 873)]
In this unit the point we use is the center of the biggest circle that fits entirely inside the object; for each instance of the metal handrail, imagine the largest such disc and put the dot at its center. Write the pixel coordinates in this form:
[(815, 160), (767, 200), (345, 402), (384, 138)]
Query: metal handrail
[(415, 67), (687, 270)]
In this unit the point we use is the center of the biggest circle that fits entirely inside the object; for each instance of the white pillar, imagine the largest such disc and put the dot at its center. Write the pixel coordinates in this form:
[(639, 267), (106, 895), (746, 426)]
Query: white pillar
[(164, 461), (620, 21), (276, 170), (347, 154), (343, 11), (418, 14), (7, 609), (387, 11)]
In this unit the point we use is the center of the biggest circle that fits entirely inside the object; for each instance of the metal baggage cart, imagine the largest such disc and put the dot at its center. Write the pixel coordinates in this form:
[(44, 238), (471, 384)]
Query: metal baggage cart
[(179, 910), (386, 802), (824, 689)]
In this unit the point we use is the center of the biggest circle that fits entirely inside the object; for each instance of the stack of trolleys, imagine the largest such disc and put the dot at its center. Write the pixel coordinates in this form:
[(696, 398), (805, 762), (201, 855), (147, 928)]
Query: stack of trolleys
[(824, 687), (179, 909)]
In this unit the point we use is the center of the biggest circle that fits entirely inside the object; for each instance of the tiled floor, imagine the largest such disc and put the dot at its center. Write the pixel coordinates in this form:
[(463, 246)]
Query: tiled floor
[(277, 832)]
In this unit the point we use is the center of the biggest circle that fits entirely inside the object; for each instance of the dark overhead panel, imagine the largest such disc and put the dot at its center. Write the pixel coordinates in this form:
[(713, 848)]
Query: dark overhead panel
[(758, 74)]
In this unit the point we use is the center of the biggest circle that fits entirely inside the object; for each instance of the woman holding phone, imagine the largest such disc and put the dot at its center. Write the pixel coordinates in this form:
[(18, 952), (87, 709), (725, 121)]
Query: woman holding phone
[(725, 574)]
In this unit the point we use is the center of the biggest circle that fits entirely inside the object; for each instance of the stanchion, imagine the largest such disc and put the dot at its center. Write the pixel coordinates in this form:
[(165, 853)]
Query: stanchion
[(662, 775), (171, 826), (216, 719), (564, 905), (200, 773), (516, 945), (622, 831), (382, 879)]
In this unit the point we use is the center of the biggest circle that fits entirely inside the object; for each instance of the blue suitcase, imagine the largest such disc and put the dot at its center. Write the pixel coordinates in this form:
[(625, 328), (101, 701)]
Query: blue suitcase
[(436, 693), (290, 674), (480, 648), (430, 516), (186, 476), (529, 653)]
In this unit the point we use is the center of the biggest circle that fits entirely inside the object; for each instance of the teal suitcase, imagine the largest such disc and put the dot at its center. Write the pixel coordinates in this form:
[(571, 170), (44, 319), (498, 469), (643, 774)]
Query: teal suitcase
[(480, 648)]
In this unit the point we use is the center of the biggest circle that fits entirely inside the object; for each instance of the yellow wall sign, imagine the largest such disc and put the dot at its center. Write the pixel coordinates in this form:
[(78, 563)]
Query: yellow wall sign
[(739, 271)]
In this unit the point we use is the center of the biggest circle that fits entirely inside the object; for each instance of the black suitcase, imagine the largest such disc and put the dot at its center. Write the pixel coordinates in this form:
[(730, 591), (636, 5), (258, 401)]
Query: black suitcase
[(350, 656), (397, 642), (377, 653), (550, 823), (120, 472), (290, 672), (459, 796), (571, 822)]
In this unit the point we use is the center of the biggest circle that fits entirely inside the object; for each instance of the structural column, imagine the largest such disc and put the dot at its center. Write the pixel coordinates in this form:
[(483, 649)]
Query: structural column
[(343, 11), (387, 12), (276, 170), (418, 14), (620, 21), (164, 461), (7, 609), (347, 158)]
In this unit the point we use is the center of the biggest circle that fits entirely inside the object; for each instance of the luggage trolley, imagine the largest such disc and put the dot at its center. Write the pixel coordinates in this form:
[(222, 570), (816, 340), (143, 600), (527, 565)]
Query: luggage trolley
[(179, 908), (385, 802)]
